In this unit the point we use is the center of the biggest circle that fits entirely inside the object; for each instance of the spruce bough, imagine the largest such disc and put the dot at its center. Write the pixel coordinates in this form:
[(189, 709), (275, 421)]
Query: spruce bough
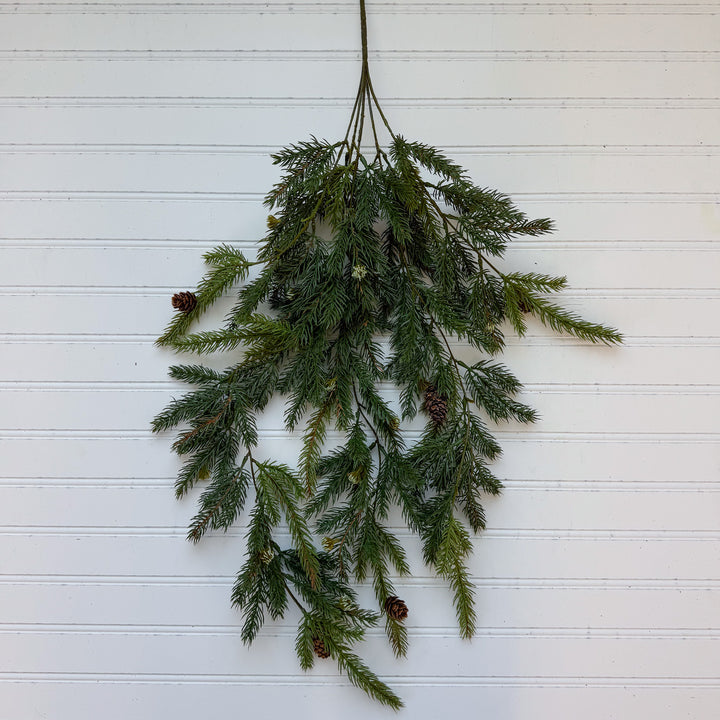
[(374, 266)]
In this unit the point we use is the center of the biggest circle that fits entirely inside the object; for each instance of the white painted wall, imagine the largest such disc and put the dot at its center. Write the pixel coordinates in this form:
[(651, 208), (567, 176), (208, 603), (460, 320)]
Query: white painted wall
[(135, 136)]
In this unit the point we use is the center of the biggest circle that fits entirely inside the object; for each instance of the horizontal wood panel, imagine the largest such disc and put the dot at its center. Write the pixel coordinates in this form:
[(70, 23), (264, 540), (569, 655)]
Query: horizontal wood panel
[(347, 6), (494, 557), (390, 31), (334, 75), (197, 605), (523, 509), (197, 121), (611, 268), (214, 172), (148, 700), (133, 267), (138, 314), (531, 458), (537, 657), (100, 361), (600, 219), (593, 411)]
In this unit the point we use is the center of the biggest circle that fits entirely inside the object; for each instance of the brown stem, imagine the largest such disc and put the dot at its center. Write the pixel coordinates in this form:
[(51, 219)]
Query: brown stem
[(199, 528), (379, 109), (293, 598), (352, 114), (378, 150), (186, 436), (366, 86), (365, 417), (363, 33), (446, 218), (341, 564)]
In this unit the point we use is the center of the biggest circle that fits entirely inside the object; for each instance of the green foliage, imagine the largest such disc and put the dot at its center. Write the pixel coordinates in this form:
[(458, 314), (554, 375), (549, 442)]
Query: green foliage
[(372, 269), (228, 266)]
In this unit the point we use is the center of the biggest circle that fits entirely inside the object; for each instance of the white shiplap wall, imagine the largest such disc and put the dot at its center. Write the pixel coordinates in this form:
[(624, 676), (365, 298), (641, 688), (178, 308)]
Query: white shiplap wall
[(135, 136)]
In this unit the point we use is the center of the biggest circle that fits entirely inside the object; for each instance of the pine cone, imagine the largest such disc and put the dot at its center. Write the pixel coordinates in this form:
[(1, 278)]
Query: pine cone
[(435, 405), (396, 608), (319, 647), (184, 301)]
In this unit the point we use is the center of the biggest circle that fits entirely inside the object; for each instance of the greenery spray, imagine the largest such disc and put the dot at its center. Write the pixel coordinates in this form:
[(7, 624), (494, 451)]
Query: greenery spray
[(379, 262)]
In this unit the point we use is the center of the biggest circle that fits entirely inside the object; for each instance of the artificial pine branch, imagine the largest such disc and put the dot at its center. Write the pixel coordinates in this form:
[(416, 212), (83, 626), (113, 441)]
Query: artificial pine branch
[(373, 266)]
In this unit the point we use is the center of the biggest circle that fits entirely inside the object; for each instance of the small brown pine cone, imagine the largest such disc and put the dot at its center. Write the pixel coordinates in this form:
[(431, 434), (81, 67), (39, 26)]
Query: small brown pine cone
[(435, 405), (184, 301), (396, 608), (319, 648)]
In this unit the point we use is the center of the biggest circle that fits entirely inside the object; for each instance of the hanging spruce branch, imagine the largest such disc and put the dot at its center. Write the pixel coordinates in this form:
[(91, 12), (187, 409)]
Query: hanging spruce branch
[(373, 267)]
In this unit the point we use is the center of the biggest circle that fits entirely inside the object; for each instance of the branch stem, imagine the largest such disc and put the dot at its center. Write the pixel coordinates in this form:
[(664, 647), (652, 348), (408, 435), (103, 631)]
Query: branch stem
[(293, 598)]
